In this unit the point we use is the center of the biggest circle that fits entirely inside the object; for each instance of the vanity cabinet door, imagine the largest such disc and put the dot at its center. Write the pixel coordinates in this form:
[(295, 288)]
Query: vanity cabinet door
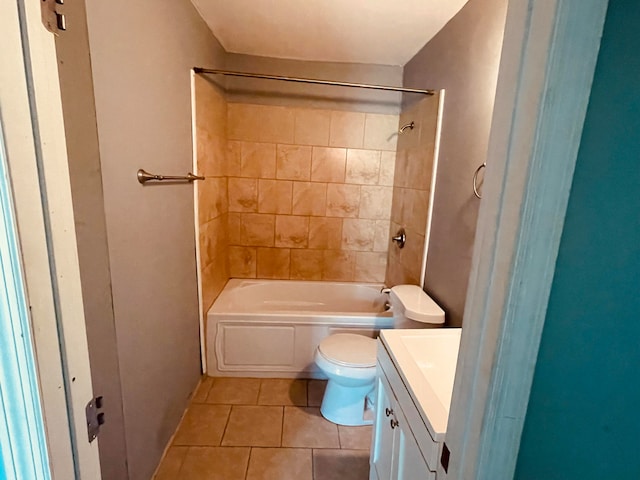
[(383, 446), (411, 465), (395, 454)]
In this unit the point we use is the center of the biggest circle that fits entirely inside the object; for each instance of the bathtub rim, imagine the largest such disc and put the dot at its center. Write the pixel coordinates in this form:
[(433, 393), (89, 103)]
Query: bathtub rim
[(222, 303)]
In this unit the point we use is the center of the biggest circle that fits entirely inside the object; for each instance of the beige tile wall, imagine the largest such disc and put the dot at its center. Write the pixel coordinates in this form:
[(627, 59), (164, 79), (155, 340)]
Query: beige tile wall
[(213, 207), (411, 190), (309, 192)]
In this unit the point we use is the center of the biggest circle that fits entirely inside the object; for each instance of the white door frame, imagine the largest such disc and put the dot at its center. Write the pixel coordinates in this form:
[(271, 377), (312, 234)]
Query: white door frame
[(31, 112), (548, 60)]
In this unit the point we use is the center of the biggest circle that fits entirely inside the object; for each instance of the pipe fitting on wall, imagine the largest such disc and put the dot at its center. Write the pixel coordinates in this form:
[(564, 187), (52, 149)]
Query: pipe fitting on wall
[(400, 238)]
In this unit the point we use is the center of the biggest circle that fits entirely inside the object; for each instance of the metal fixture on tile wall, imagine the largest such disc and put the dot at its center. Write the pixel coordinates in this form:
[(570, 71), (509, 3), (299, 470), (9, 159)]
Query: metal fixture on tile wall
[(475, 180), (143, 177), (400, 238), (410, 126)]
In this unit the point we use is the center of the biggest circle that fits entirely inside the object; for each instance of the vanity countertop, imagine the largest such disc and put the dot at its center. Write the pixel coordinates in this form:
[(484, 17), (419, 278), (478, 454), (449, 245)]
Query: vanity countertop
[(426, 360)]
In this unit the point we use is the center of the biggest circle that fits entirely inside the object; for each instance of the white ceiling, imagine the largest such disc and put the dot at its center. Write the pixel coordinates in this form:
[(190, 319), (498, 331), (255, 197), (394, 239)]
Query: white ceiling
[(386, 32)]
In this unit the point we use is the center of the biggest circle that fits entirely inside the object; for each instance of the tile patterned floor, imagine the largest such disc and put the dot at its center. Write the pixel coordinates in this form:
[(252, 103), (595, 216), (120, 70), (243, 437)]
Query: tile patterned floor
[(263, 429)]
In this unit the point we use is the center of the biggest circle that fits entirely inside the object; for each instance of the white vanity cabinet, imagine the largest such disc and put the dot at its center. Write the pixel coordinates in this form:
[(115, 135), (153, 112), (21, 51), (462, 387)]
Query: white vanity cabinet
[(415, 374), (402, 448), (394, 452)]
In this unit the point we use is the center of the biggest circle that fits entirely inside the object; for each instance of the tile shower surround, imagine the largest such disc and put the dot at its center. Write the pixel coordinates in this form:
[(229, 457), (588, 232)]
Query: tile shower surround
[(291, 192), (411, 190), (309, 192), (211, 147)]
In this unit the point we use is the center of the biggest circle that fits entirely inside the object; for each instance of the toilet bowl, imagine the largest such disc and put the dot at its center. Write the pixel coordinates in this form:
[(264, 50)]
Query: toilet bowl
[(349, 360)]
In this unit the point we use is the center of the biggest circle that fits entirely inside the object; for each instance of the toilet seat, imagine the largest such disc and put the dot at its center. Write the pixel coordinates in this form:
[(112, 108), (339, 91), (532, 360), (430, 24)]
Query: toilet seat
[(349, 350)]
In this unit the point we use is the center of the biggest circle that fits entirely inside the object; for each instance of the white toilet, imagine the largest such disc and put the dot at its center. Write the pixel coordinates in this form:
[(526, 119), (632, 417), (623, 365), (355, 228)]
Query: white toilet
[(349, 360)]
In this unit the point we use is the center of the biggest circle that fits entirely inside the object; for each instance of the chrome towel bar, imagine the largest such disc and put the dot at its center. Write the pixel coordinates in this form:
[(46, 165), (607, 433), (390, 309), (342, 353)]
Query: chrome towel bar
[(144, 177)]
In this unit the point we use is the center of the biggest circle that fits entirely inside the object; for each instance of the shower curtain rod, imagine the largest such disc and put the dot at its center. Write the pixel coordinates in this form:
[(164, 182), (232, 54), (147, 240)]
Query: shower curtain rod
[(312, 80)]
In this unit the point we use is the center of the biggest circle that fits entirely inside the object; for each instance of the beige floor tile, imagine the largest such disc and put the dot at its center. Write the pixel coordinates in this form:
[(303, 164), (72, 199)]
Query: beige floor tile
[(202, 390), (254, 426), (340, 464), (315, 392), (283, 391), (234, 391), (280, 464), (215, 463), (306, 428), (171, 463), (202, 425), (355, 438)]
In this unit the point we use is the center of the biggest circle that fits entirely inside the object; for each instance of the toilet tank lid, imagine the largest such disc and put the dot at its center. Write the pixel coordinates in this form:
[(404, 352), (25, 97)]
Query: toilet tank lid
[(418, 305)]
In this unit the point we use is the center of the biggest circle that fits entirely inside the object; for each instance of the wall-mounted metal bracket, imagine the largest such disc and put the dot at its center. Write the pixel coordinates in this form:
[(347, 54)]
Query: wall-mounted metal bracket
[(52, 19), (95, 417)]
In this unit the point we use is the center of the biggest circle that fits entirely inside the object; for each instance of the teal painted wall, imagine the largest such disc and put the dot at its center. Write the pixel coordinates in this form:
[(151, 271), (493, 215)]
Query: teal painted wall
[(583, 419)]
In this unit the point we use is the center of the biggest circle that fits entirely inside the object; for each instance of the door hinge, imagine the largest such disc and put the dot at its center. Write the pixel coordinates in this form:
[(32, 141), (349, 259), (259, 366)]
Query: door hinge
[(53, 20), (95, 417)]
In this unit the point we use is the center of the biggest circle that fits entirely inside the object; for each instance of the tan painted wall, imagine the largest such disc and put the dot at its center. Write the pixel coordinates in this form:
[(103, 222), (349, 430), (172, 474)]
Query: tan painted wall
[(309, 192), (141, 56), (463, 58), (411, 190), (269, 92)]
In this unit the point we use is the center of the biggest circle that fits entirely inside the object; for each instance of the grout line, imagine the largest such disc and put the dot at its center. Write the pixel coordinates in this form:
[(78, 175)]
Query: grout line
[(181, 463), (184, 459), (282, 428), (213, 382), (246, 471), (262, 379), (224, 431), (313, 470), (306, 391)]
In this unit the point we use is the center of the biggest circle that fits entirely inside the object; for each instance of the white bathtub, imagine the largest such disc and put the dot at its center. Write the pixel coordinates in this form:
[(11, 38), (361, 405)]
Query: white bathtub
[(271, 328)]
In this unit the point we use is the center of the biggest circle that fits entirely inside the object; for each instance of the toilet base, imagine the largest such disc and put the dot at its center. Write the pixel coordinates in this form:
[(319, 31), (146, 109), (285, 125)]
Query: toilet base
[(345, 405)]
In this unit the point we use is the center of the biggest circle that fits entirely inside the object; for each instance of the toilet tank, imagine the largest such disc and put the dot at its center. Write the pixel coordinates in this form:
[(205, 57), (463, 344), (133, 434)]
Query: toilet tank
[(413, 308)]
